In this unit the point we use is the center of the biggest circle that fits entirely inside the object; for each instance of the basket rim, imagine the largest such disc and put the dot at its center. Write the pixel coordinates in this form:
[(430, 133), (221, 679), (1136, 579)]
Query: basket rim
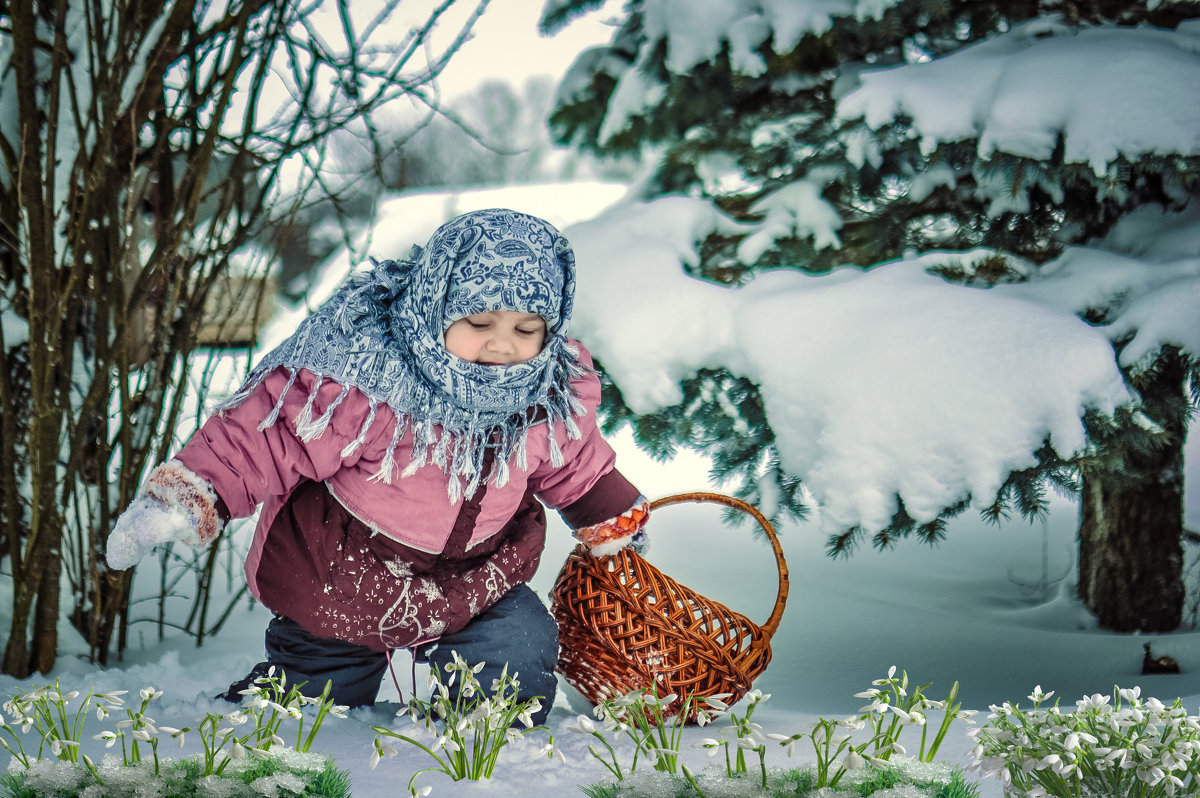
[(708, 497)]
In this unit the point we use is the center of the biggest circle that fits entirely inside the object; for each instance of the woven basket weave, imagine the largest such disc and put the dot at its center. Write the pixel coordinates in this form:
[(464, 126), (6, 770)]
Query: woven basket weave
[(625, 625)]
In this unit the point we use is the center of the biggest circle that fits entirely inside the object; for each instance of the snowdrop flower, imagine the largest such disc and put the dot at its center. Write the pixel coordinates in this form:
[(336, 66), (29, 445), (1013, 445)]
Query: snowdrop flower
[(421, 792), (875, 706), (1094, 701), (552, 751), (237, 751), (526, 716), (717, 703), (787, 742), (710, 744), (149, 693), (178, 734), (852, 761), (1037, 696), (109, 738), (141, 735), (1151, 775), (57, 746), (583, 725), (381, 750), (1130, 693)]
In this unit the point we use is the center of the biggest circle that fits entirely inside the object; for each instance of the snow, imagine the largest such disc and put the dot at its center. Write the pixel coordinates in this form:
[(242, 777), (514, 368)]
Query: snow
[(1116, 92)]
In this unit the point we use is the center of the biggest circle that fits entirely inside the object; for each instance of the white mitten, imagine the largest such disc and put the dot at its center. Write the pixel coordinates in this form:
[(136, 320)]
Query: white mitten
[(146, 523)]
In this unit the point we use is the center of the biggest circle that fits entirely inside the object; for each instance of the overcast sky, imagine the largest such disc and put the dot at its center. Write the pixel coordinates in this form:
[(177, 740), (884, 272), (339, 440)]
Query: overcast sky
[(507, 45)]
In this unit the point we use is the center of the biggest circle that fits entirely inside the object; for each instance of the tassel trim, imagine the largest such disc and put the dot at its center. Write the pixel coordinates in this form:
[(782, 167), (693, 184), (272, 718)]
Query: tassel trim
[(458, 453)]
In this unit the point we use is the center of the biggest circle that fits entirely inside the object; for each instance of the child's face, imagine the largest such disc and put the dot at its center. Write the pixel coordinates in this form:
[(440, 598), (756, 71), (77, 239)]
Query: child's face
[(497, 337)]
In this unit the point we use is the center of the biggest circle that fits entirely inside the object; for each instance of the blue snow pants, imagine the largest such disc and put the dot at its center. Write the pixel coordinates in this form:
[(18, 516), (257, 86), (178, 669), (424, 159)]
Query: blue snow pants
[(517, 630)]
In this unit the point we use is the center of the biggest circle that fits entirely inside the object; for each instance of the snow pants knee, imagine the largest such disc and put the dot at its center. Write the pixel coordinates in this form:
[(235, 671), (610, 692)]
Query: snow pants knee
[(518, 631)]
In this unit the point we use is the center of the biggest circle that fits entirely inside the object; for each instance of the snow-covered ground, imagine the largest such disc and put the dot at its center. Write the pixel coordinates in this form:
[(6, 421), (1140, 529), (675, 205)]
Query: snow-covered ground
[(990, 608)]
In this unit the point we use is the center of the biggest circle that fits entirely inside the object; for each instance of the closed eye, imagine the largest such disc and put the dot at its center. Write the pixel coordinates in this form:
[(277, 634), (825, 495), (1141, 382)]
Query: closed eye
[(534, 331)]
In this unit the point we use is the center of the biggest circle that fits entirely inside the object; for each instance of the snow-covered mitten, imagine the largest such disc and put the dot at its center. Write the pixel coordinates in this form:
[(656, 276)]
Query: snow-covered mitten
[(626, 530), (175, 505), (146, 523)]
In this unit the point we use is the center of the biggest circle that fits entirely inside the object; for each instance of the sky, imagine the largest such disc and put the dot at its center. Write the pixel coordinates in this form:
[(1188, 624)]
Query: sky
[(506, 44)]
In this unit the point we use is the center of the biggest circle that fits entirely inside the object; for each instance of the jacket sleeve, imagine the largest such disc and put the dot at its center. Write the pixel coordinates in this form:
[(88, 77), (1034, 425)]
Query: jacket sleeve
[(602, 507), (235, 460)]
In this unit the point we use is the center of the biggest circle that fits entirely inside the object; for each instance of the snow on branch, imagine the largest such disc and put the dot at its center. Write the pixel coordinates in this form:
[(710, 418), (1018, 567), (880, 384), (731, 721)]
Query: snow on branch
[(878, 384), (1106, 92)]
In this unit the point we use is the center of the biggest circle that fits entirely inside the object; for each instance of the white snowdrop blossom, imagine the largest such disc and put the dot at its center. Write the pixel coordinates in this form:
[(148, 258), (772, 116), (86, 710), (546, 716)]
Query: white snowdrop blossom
[(1107, 746), (107, 737)]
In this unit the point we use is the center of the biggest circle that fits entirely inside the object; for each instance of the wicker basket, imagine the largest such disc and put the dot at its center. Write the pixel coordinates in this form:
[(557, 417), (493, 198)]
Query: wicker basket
[(625, 625)]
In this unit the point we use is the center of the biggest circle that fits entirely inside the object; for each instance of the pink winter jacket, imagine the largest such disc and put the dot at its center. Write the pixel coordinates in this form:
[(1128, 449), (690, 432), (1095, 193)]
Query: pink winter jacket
[(393, 564)]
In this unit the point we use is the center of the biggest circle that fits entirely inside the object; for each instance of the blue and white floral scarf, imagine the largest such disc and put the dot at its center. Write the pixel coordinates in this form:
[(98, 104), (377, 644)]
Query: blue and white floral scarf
[(383, 334)]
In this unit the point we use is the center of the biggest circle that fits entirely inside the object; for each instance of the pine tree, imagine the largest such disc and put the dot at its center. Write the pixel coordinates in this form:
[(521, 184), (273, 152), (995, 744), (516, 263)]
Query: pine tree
[(754, 124)]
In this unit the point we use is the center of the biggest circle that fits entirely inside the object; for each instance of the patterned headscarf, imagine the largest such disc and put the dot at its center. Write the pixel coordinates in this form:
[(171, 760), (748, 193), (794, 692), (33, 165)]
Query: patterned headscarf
[(383, 334)]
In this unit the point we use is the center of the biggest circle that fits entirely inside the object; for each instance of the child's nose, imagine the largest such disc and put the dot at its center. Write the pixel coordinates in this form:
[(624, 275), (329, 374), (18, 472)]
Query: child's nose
[(499, 343)]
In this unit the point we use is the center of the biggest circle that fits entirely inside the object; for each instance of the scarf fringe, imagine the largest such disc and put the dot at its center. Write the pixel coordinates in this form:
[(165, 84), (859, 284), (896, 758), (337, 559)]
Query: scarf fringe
[(459, 455), (274, 414), (313, 430), (456, 447), (352, 447)]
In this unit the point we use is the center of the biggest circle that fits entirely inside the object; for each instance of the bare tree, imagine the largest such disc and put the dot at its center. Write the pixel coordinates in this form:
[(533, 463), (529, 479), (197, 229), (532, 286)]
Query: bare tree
[(145, 146)]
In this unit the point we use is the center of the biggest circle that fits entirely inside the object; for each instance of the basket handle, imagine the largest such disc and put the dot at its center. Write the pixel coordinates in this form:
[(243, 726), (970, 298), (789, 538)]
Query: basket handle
[(772, 623)]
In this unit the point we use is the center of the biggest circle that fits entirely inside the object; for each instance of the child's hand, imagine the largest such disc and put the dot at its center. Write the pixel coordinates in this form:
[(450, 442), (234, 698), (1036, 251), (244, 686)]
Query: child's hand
[(146, 523)]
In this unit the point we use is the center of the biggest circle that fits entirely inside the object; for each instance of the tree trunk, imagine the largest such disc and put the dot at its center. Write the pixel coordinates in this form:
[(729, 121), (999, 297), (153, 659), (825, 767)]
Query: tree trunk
[(1131, 523)]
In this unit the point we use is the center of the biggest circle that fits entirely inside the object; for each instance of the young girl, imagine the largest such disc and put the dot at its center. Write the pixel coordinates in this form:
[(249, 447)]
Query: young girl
[(400, 441)]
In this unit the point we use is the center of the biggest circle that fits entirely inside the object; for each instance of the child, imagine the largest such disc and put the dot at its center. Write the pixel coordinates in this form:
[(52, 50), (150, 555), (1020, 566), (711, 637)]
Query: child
[(399, 442)]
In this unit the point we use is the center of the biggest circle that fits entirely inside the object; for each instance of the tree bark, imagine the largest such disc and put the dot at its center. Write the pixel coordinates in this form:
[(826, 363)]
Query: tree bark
[(1131, 524)]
